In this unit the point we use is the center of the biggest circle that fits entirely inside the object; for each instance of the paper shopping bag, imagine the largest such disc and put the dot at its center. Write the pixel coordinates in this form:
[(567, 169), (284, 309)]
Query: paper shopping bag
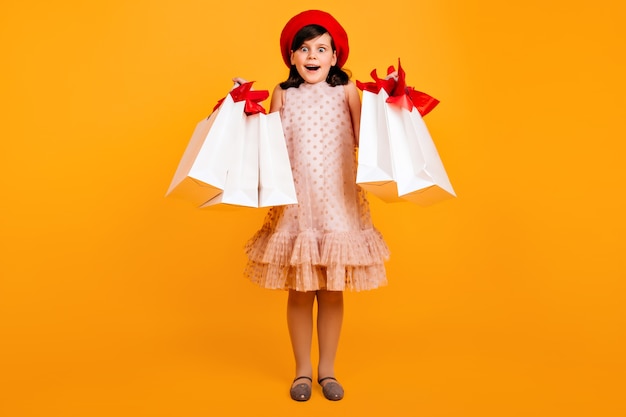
[(276, 187), (375, 168), (242, 177), (418, 171), (201, 173)]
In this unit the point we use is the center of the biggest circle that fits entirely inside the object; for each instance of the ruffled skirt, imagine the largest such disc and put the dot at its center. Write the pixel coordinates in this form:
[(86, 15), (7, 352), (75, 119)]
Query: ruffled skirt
[(311, 260)]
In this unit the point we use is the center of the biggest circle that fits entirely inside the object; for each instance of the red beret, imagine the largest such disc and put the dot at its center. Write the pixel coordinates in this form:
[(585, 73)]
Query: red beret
[(315, 17)]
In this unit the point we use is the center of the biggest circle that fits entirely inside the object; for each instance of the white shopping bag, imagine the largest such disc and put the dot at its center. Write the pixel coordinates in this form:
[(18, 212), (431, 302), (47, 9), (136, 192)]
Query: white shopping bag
[(375, 167), (276, 186), (242, 178), (392, 129), (418, 171), (201, 173)]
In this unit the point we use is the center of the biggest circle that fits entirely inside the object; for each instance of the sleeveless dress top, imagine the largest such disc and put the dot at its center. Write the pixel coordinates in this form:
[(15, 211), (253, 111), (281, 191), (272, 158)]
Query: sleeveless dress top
[(327, 240)]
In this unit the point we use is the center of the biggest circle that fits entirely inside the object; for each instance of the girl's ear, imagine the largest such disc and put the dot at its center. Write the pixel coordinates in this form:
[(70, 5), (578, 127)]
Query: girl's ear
[(334, 61), (291, 57)]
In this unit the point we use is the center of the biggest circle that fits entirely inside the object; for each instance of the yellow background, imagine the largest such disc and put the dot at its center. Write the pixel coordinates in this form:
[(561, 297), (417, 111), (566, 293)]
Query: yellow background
[(507, 301)]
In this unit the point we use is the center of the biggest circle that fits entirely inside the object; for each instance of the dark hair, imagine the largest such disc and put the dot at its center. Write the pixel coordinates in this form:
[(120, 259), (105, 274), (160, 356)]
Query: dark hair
[(336, 76)]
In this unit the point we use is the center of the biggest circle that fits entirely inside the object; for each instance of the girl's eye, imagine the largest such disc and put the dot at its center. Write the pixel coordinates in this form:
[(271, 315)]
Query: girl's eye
[(304, 49), (321, 50)]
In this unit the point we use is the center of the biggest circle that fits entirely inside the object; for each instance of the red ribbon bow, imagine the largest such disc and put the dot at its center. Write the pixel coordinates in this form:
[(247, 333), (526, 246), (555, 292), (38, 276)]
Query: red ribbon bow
[(399, 93), (252, 98)]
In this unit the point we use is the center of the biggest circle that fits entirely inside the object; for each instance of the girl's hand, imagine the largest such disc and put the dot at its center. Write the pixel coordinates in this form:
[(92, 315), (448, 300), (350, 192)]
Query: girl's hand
[(238, 81), (393, 75)]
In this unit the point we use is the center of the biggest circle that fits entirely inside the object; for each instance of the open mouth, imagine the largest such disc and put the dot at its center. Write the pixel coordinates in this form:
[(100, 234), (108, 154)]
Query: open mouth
[(311, 67)]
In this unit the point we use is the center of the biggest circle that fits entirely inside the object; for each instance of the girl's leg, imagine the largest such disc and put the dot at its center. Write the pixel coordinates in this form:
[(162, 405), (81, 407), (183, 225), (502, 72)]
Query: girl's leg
[(300, 323), (329, 320)]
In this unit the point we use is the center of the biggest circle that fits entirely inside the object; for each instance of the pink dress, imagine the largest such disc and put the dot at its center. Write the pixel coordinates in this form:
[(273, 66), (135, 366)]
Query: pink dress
[(327, 240)]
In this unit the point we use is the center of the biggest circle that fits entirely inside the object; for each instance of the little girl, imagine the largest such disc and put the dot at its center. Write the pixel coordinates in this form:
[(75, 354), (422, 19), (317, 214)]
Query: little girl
[(326, 243)]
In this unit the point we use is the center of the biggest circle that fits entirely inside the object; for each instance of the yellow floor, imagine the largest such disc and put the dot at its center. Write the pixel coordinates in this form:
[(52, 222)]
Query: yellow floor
[(411, 367)]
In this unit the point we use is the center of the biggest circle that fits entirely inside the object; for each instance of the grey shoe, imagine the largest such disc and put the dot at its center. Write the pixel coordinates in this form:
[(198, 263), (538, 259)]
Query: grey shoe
[(332, 390), (301, 392)]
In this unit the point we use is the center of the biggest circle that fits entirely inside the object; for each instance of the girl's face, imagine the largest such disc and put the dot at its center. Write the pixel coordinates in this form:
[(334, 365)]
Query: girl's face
[(314, 58)]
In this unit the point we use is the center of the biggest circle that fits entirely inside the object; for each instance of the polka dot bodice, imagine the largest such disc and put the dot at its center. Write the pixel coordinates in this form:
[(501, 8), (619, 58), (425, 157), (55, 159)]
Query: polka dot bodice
[(320, 141)]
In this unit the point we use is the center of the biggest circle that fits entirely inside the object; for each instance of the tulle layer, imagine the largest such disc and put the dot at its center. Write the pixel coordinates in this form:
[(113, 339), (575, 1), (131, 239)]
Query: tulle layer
[(310, 260)]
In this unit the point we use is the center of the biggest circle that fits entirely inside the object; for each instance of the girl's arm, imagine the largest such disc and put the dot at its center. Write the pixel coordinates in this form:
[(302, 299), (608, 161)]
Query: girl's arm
[(354, 104), (278, 98)]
